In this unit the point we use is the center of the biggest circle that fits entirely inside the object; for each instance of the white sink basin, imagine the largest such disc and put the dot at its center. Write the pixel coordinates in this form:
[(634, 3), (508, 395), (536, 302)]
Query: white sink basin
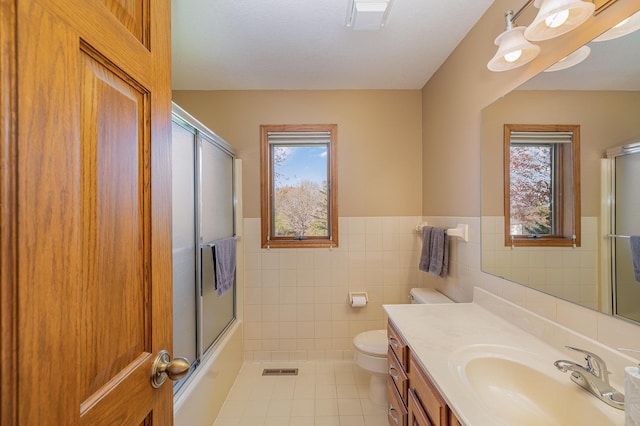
[(521, 389)]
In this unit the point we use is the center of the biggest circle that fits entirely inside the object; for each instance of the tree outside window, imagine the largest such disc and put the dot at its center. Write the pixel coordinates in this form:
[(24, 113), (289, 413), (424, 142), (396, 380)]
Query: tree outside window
[(532, 189)]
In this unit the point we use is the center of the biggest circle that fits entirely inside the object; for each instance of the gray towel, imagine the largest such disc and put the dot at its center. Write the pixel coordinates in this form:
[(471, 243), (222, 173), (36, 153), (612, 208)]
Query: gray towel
[(224, 263), (635, 254), (425, 255), (434, 257), (439, 264)]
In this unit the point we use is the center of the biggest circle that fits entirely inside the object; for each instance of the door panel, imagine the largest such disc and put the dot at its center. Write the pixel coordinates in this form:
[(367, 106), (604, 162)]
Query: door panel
[(132, 14), (90, 239), (115, 249)]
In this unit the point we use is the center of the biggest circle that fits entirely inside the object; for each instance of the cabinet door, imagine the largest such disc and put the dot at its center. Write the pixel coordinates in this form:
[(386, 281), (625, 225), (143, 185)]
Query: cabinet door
[(427, 395), (416, 415), (453, 420)]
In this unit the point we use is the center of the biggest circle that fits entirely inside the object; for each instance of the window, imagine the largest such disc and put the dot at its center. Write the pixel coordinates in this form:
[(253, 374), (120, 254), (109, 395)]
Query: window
[(542, 185), (299, 185)]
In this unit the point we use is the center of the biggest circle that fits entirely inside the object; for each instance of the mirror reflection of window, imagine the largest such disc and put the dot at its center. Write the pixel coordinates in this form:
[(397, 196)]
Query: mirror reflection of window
[(541, 186)]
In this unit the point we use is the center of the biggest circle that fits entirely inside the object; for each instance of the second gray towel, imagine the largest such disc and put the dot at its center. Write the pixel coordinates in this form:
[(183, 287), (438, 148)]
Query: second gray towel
[(635, 255), (439, 264)]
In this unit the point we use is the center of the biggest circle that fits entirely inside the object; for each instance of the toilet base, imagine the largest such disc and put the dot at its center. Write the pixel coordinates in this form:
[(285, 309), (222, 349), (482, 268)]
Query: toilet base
[(378, 389)]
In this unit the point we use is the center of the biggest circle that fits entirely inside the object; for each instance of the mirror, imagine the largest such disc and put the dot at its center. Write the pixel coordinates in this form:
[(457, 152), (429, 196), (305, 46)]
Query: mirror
[(602, 96)]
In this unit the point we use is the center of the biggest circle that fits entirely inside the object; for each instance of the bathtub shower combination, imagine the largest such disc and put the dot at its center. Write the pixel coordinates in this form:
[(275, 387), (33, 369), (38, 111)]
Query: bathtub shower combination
[(203, 192)]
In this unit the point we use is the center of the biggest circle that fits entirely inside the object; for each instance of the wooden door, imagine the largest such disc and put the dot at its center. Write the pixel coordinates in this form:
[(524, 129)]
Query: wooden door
[(85, 218)]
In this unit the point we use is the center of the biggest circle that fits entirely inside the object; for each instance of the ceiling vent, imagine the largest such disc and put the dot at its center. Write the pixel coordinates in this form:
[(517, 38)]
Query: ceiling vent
[(368, 15)]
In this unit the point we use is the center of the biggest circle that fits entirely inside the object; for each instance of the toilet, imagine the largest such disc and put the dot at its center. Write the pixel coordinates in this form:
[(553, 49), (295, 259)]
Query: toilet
[(370, 347)]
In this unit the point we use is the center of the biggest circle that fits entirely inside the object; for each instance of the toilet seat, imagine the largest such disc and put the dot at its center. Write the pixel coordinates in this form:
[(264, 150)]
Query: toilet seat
[(373, 343)]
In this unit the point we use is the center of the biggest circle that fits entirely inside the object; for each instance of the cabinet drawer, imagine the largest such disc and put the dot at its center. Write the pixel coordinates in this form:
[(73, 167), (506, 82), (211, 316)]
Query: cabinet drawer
[(397, 345), (396, 412), (427, 395), (416, 415), (397, 375)]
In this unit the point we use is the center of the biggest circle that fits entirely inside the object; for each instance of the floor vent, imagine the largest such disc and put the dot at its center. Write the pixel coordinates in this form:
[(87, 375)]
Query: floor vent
[(280, 372)]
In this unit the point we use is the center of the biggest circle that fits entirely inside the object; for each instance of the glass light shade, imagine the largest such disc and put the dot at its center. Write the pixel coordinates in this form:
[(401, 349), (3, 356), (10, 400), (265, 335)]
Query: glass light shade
[(625, 27), (509, 44), (570, 60), (549, 22)]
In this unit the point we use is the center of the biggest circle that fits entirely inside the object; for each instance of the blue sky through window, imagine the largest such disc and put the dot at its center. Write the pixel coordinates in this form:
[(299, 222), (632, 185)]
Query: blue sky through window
[(302, 163)]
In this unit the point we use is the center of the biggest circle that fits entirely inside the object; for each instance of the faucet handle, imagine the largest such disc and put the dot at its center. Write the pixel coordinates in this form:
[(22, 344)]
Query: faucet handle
[(595, 364)]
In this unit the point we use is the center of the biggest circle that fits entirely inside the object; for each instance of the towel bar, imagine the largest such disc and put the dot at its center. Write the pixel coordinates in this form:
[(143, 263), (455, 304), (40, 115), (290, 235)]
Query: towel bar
[(213, 243), (460, 231)]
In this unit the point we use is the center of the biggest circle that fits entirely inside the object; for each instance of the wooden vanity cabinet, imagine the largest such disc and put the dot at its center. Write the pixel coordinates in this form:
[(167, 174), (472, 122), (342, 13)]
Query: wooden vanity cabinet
[(413, 399)]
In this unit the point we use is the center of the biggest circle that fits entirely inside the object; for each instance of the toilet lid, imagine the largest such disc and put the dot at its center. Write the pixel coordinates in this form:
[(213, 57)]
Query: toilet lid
[(429, 295), (372, 342)]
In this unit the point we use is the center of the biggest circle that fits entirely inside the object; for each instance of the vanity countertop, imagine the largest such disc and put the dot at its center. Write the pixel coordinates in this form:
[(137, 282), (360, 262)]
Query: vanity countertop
[(438, 334)]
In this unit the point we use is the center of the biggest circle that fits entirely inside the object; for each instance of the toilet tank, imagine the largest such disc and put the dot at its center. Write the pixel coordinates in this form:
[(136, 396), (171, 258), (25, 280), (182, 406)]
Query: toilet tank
[(428, 296)]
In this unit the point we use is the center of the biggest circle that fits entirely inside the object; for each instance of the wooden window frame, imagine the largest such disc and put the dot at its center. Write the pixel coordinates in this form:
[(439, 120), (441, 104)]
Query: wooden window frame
[(560, 239), (266, 188)]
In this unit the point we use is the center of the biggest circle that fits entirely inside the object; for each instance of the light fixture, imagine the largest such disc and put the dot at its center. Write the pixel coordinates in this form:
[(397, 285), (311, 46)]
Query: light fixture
[(513, 49), (570, 60), (368, 15), (557, 17), (625, 27)]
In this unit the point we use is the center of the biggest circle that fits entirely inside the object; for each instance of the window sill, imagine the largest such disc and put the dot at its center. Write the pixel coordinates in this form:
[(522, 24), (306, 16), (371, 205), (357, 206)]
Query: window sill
[(542, 242), (299, 244)]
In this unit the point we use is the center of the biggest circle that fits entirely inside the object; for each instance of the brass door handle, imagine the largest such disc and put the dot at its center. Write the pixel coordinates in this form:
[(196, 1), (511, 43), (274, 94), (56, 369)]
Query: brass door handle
[(164, 367)]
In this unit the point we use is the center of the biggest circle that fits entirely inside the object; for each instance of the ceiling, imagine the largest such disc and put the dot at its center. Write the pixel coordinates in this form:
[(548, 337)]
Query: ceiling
[(305, 44)]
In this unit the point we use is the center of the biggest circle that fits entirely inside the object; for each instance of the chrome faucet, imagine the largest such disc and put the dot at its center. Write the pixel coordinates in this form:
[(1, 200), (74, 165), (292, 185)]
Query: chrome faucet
[(593, 377)]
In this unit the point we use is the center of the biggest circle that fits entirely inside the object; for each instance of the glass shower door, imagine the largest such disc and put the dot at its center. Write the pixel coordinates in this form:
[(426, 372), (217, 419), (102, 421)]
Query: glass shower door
[(627, 222), (216, 222), (185, 316)]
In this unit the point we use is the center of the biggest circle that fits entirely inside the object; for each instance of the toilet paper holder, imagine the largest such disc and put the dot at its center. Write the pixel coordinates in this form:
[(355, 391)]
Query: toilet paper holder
[(358, 298)]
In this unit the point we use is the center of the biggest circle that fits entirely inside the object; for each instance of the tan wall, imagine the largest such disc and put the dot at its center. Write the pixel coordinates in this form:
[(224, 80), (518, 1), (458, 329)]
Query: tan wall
[(454, 97), (606, 119), (379, 140)]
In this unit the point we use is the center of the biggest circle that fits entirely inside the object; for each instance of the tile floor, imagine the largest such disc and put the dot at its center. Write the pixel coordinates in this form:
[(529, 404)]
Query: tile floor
[(327, 393)]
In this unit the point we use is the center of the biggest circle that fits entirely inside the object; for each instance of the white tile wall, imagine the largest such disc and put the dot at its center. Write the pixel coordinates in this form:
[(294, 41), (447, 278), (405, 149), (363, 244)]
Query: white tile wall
[(296, 300), (571, 274)]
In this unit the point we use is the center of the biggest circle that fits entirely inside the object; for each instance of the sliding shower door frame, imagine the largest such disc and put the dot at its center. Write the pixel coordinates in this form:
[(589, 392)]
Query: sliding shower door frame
[(202, 135)]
